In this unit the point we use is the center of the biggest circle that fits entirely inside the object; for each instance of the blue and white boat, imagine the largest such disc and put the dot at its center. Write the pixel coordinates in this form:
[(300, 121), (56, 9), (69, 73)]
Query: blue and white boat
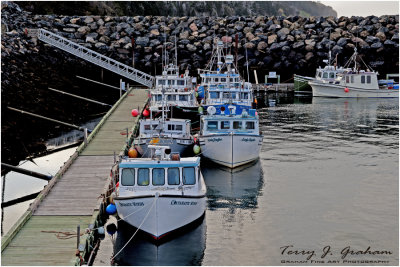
[(221, 83), (230, 140), (160, 194)]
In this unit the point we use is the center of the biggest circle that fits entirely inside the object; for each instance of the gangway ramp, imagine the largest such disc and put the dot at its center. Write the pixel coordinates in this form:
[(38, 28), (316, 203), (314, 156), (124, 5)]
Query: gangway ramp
[(94, 57)]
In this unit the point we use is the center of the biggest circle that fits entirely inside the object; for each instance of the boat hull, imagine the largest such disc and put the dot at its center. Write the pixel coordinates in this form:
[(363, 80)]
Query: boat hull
[(332, 90), (177, 145), (231, 150), (161, 215)]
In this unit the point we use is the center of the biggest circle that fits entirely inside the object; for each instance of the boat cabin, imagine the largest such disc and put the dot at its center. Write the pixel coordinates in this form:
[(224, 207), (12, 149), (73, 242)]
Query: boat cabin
[(361, 79), (174, 128), (244, 123), (162, 172)]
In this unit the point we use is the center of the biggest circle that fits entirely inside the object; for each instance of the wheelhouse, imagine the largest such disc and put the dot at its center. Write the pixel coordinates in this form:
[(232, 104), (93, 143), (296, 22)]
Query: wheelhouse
[(146, 174), (244, 123), (177, 128)]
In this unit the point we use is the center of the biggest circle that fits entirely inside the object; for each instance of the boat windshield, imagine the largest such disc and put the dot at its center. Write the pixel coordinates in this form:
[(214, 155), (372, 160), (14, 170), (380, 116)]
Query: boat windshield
[(188, 176), (158, 176)]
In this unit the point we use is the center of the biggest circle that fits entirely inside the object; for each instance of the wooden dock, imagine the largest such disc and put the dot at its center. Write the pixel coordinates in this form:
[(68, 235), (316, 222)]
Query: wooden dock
[(73, 196), (278, 87)]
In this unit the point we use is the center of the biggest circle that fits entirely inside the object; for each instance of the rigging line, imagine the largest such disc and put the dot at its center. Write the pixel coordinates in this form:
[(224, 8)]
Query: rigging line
[(155, 199)]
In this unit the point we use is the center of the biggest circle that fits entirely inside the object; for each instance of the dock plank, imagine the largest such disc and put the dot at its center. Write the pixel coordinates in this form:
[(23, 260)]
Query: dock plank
[(74, 197)]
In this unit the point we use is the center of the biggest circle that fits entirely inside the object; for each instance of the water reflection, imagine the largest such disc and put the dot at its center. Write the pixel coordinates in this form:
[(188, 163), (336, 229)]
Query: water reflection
[(184, 249), (233, 188)]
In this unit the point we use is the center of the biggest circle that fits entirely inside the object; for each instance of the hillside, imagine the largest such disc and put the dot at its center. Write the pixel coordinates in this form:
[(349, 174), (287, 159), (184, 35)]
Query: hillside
[(179, 8)]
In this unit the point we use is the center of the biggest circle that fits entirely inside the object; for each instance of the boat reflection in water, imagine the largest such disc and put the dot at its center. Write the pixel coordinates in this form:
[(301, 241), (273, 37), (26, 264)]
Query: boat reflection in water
[(186, 247), (236, 188)]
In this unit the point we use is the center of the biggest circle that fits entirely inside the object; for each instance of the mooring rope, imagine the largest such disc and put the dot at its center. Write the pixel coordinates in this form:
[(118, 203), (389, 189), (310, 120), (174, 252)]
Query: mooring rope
[(144, 219)]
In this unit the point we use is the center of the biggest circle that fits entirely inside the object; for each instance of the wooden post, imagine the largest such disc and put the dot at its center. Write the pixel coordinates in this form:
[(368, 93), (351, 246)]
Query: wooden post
[(78, 236), (85, 135), (120, 88)]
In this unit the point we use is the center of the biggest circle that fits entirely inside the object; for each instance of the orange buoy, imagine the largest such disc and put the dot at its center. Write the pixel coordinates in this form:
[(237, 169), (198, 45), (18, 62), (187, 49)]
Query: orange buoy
[(346, 90), (132, 153)]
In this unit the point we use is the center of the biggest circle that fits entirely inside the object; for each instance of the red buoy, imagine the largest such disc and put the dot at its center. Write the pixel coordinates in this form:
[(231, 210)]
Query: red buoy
[(346, 90), (117, 184), (135, 112), (146, 113)]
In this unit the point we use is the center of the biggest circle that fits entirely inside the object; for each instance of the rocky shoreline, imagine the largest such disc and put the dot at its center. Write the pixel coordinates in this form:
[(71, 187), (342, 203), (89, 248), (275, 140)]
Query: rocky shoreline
[(286, 45)]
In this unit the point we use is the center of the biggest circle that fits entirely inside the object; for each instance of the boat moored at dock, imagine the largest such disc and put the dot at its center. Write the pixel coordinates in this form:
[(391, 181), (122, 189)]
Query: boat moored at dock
[(222, 84), (161, 194), (230, 140)]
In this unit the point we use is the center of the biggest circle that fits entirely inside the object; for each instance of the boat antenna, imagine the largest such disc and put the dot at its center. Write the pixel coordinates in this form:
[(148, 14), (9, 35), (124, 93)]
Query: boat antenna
[(176, 54), (247, 66), (329, 52)]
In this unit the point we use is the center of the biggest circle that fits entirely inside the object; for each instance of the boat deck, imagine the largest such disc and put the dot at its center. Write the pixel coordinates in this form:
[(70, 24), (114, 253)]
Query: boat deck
[(72, 197)]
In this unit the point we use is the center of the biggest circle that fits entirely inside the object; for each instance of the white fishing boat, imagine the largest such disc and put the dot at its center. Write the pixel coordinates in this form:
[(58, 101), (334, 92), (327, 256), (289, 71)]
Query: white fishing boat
[(353, 83), (161, 194), (230, 140), (327, 73), (176, 133), (221, 83), (179, 90)]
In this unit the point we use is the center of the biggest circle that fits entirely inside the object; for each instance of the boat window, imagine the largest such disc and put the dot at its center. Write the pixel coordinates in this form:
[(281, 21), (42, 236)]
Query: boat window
[(170, 97), (223, 79), (158, 97), (181, 82), (189, 175), (214, 94), (216, 80), (178, 127), (368, 79), (158, 176), (226, 95), (249, 124), (319, 74), (225, 125), (231, 80), (212, 125), (171, 127), (362, 79), (325, 75), (207, 80), (143, 177), (352, 78), (161, 82), (331, 75), (147, 127), (237, 125), (128, 177), (198, 173), (233, 95), (173, 176), (347, 79), (171, 82), (245, 95), (183, 98)]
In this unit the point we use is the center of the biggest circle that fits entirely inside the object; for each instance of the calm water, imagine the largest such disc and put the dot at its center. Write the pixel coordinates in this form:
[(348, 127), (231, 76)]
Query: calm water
[(327, 178), (15, 185)]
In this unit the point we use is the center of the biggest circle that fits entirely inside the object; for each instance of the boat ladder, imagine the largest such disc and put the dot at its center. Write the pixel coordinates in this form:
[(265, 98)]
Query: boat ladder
[(94, 57)]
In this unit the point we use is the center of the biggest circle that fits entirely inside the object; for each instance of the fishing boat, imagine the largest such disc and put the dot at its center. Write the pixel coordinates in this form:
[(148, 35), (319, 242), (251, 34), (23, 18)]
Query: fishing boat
[(179, 89), (176, 133), (160, 194), (327, 73), (353, 83), (222, 84), (230, 140)]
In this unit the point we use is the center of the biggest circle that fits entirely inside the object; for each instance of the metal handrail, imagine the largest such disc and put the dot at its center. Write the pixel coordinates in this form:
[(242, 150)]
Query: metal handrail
[(95, 58)]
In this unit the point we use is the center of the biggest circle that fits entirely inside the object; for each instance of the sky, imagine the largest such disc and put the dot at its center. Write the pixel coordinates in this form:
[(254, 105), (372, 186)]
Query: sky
[(364, 8)]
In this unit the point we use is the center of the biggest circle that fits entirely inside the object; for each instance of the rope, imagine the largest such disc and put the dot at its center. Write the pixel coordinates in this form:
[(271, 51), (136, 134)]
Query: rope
[(63, 235), (144, 219)]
